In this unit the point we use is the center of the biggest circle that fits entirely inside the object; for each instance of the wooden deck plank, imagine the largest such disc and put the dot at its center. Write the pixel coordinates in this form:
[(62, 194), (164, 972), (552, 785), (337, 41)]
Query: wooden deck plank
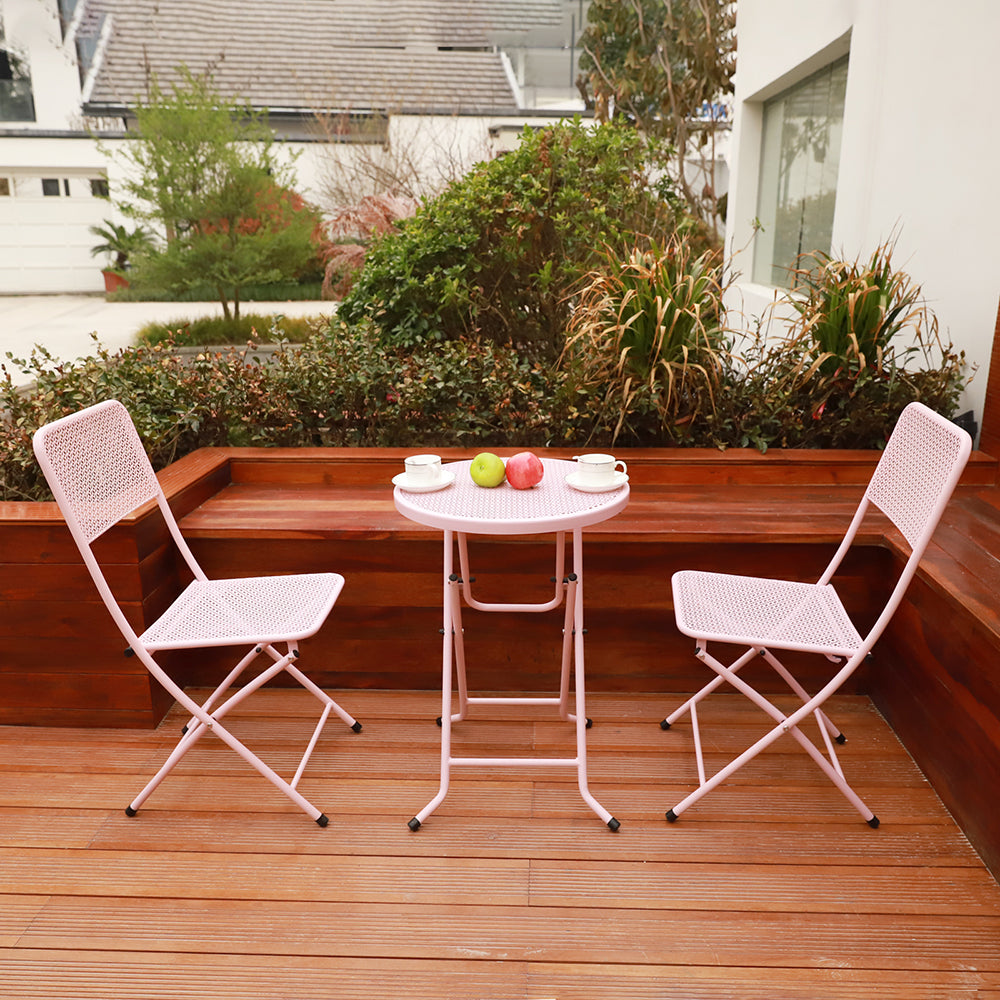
[(408, 880), (914, 845), (153, 976), (518, 933)]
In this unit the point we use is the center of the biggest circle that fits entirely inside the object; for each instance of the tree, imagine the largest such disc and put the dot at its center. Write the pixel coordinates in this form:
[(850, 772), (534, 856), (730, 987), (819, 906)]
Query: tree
[(658, 63), (205, 171), (251, 232)]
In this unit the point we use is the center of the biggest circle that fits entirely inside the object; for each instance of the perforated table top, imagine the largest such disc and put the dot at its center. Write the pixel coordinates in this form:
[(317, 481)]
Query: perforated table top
[(552, 505)]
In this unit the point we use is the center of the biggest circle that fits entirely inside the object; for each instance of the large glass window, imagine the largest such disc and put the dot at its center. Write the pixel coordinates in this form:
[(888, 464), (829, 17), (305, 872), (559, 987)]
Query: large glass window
[(16, 102), (797, 191)]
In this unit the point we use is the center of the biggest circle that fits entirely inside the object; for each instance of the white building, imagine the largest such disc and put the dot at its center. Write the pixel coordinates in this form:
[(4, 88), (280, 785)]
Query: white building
[(441, 77), (860, 120)]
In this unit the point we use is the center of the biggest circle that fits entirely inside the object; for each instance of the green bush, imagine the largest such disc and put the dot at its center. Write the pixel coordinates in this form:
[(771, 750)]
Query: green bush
[(625, 381), (305, 290), (342, 388), (497, 253)]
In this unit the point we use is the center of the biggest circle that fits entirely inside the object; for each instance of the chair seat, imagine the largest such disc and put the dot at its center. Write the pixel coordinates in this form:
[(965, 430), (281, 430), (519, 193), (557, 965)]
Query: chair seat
[(753, 611), (245, 611)]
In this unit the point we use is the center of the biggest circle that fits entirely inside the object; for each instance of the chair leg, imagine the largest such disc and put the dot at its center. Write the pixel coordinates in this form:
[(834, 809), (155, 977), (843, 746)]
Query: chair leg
[(212, 720), (714, 683), (784, 725), (317, 692)]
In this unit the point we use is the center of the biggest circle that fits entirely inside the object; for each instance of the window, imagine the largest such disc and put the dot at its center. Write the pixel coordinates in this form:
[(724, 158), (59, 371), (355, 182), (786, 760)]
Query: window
[(67, 8), (16, 102), (4, 187), (50, 187), (797, 190), (99, 187)]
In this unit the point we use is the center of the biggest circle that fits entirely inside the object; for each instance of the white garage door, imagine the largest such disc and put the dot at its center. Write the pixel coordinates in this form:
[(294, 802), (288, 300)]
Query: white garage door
[(45, 236)]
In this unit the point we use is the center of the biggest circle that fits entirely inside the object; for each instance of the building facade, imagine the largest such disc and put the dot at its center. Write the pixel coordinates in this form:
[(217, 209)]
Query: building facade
[(859, 122)]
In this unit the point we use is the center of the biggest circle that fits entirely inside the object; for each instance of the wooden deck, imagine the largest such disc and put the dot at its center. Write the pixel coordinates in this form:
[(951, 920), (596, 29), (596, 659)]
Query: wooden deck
[(771, 887)]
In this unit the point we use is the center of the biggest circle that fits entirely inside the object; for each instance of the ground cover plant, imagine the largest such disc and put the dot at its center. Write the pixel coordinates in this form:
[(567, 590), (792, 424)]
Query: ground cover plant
[(210, 331)]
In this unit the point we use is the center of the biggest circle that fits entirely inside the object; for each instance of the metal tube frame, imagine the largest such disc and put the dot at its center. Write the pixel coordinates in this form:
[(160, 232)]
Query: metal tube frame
[(568, 589)]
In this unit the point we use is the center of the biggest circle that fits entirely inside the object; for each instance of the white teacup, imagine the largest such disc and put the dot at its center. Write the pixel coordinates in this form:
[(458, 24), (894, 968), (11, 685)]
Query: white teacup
[(598, 470), (422, 469)]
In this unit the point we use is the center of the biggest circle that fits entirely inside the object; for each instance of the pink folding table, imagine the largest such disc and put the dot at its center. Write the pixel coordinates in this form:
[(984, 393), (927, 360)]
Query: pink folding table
[(461, 509)]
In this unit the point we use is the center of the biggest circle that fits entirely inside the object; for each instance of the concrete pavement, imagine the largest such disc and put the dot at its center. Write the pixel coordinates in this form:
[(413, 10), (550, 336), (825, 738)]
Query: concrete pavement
[(63, 323)]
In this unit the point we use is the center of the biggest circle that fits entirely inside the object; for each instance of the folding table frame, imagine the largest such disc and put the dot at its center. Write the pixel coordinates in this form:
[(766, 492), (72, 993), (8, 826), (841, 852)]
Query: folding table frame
[(464, 508)]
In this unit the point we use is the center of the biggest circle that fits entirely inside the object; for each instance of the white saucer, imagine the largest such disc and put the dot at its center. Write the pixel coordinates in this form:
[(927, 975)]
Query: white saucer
[(446, 479), (574, 479)]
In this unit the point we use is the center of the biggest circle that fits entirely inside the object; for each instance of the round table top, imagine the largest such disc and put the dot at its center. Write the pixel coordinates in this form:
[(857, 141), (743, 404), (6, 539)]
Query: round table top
[(552, 505)]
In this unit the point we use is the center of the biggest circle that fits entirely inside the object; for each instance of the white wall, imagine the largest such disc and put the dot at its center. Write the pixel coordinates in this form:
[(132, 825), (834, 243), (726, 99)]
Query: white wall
[(920, 151)]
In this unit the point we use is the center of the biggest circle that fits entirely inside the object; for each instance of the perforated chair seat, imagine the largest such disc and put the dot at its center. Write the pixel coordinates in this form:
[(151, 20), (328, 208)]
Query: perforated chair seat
[(752, 611), (245, 611)]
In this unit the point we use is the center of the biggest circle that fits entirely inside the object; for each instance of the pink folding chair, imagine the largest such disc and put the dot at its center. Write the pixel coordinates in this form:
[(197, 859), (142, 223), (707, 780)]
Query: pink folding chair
[(99, 472), (911, 485)]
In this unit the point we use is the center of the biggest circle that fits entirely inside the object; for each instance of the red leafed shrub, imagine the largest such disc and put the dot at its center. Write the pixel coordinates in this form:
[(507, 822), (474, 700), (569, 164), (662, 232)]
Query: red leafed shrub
[(349, 231)]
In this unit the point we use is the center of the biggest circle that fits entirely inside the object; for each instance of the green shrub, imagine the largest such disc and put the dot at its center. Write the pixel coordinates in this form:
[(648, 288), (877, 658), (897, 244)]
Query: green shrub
[(342, 388), (648, 363), (495, 255), (137, 291)]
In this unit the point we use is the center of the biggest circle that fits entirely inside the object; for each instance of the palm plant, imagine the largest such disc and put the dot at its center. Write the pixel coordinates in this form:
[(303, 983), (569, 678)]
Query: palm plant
[(120, 242)]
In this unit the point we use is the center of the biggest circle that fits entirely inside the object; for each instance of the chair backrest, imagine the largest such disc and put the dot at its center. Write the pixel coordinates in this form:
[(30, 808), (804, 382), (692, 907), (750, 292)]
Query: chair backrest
[(918, 472), (97, 468)]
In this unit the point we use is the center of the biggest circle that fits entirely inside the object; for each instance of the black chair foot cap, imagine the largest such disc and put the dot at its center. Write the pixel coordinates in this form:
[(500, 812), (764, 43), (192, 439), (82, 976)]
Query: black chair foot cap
[(438, 720), (184, 731), (873, 822), (356, 727), (322, 819), (129, 811), (671, 816), (414, 824), (590, 723), (664, 725), (613, 825), (840, 738)]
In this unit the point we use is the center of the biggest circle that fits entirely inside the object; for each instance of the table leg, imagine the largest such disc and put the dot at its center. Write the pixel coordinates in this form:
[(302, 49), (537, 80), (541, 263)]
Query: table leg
[(453, 654), (582, 722), (447, 651)]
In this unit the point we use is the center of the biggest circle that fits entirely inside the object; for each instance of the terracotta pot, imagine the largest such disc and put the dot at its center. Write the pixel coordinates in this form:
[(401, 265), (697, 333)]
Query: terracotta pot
[(113, 281)]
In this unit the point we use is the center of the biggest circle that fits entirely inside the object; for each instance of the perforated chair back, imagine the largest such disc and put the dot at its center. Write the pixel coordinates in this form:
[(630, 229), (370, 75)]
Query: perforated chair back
[(97, 467), (918, 471)]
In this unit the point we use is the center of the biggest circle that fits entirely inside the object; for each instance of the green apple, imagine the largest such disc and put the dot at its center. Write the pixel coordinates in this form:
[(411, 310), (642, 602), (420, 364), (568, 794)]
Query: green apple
[(487, 469)]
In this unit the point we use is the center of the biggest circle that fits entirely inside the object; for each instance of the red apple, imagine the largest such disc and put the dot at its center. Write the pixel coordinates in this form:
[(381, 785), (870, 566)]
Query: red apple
[(524, 470)]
